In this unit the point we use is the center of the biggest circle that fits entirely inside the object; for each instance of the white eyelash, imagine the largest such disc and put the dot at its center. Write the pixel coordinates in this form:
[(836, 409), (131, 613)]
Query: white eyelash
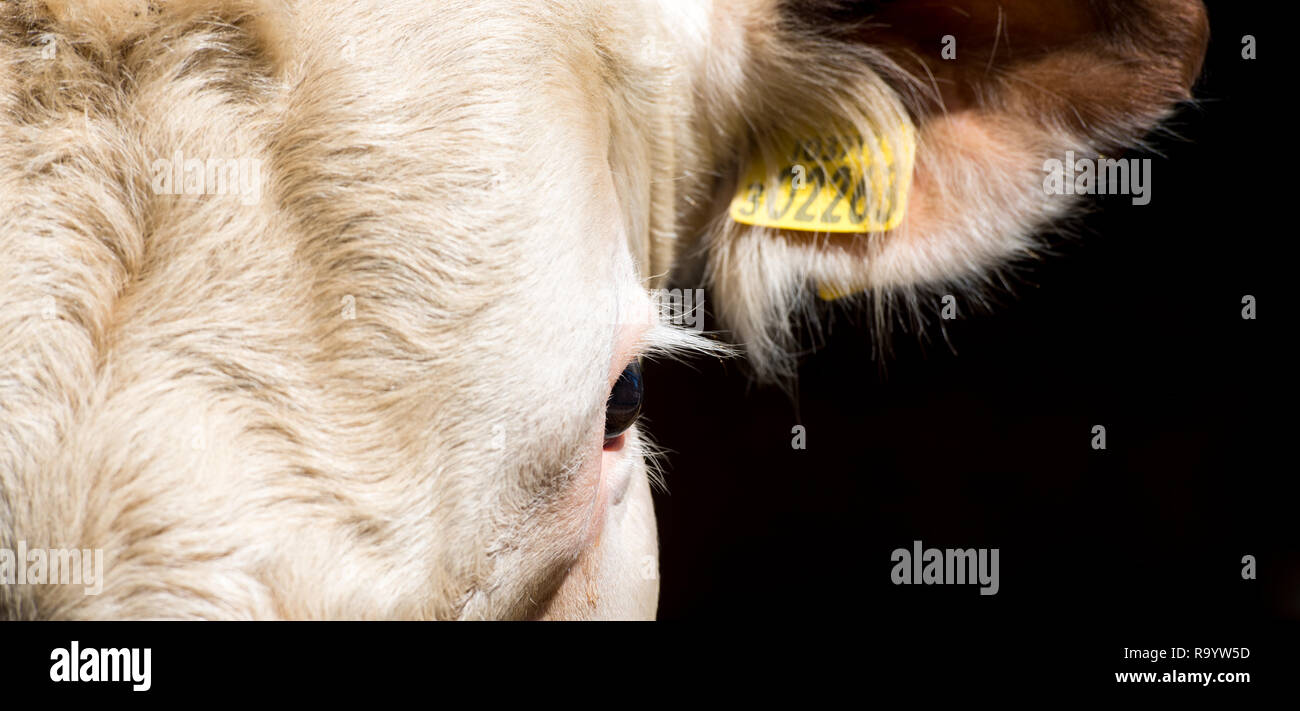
[(640, 450), (666, 340)]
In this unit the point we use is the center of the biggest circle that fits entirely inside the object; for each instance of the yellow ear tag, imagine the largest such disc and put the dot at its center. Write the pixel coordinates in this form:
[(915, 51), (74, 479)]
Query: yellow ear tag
[(831, 293), (833, 183), (845, 184)]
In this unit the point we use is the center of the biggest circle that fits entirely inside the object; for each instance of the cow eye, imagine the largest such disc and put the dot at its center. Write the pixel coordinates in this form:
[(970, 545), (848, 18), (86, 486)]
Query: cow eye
[(624, 404)]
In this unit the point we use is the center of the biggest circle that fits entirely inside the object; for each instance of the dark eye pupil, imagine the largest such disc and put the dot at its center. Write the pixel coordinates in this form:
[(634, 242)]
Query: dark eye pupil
[(624, 402)]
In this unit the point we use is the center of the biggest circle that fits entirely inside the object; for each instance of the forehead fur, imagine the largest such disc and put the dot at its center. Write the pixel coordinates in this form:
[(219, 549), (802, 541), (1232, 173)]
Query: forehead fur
[(424, 290)]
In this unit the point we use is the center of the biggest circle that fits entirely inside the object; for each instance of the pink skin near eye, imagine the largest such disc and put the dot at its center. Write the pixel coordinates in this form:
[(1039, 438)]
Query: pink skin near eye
[(607, 477), (615, 444)]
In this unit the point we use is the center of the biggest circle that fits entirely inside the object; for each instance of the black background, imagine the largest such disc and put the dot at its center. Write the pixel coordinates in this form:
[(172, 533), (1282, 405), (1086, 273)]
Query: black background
[(983, 438), (780, 559)]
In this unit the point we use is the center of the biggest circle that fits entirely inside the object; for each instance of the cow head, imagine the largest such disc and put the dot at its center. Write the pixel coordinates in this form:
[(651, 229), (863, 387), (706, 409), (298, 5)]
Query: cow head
[(394, 373)]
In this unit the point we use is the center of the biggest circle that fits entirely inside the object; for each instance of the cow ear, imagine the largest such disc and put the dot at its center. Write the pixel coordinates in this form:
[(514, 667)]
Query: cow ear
[(891, 147)]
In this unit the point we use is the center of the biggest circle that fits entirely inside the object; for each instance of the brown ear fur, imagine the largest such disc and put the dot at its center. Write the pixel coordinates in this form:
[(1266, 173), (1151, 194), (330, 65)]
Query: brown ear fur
[(1105, 69)]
